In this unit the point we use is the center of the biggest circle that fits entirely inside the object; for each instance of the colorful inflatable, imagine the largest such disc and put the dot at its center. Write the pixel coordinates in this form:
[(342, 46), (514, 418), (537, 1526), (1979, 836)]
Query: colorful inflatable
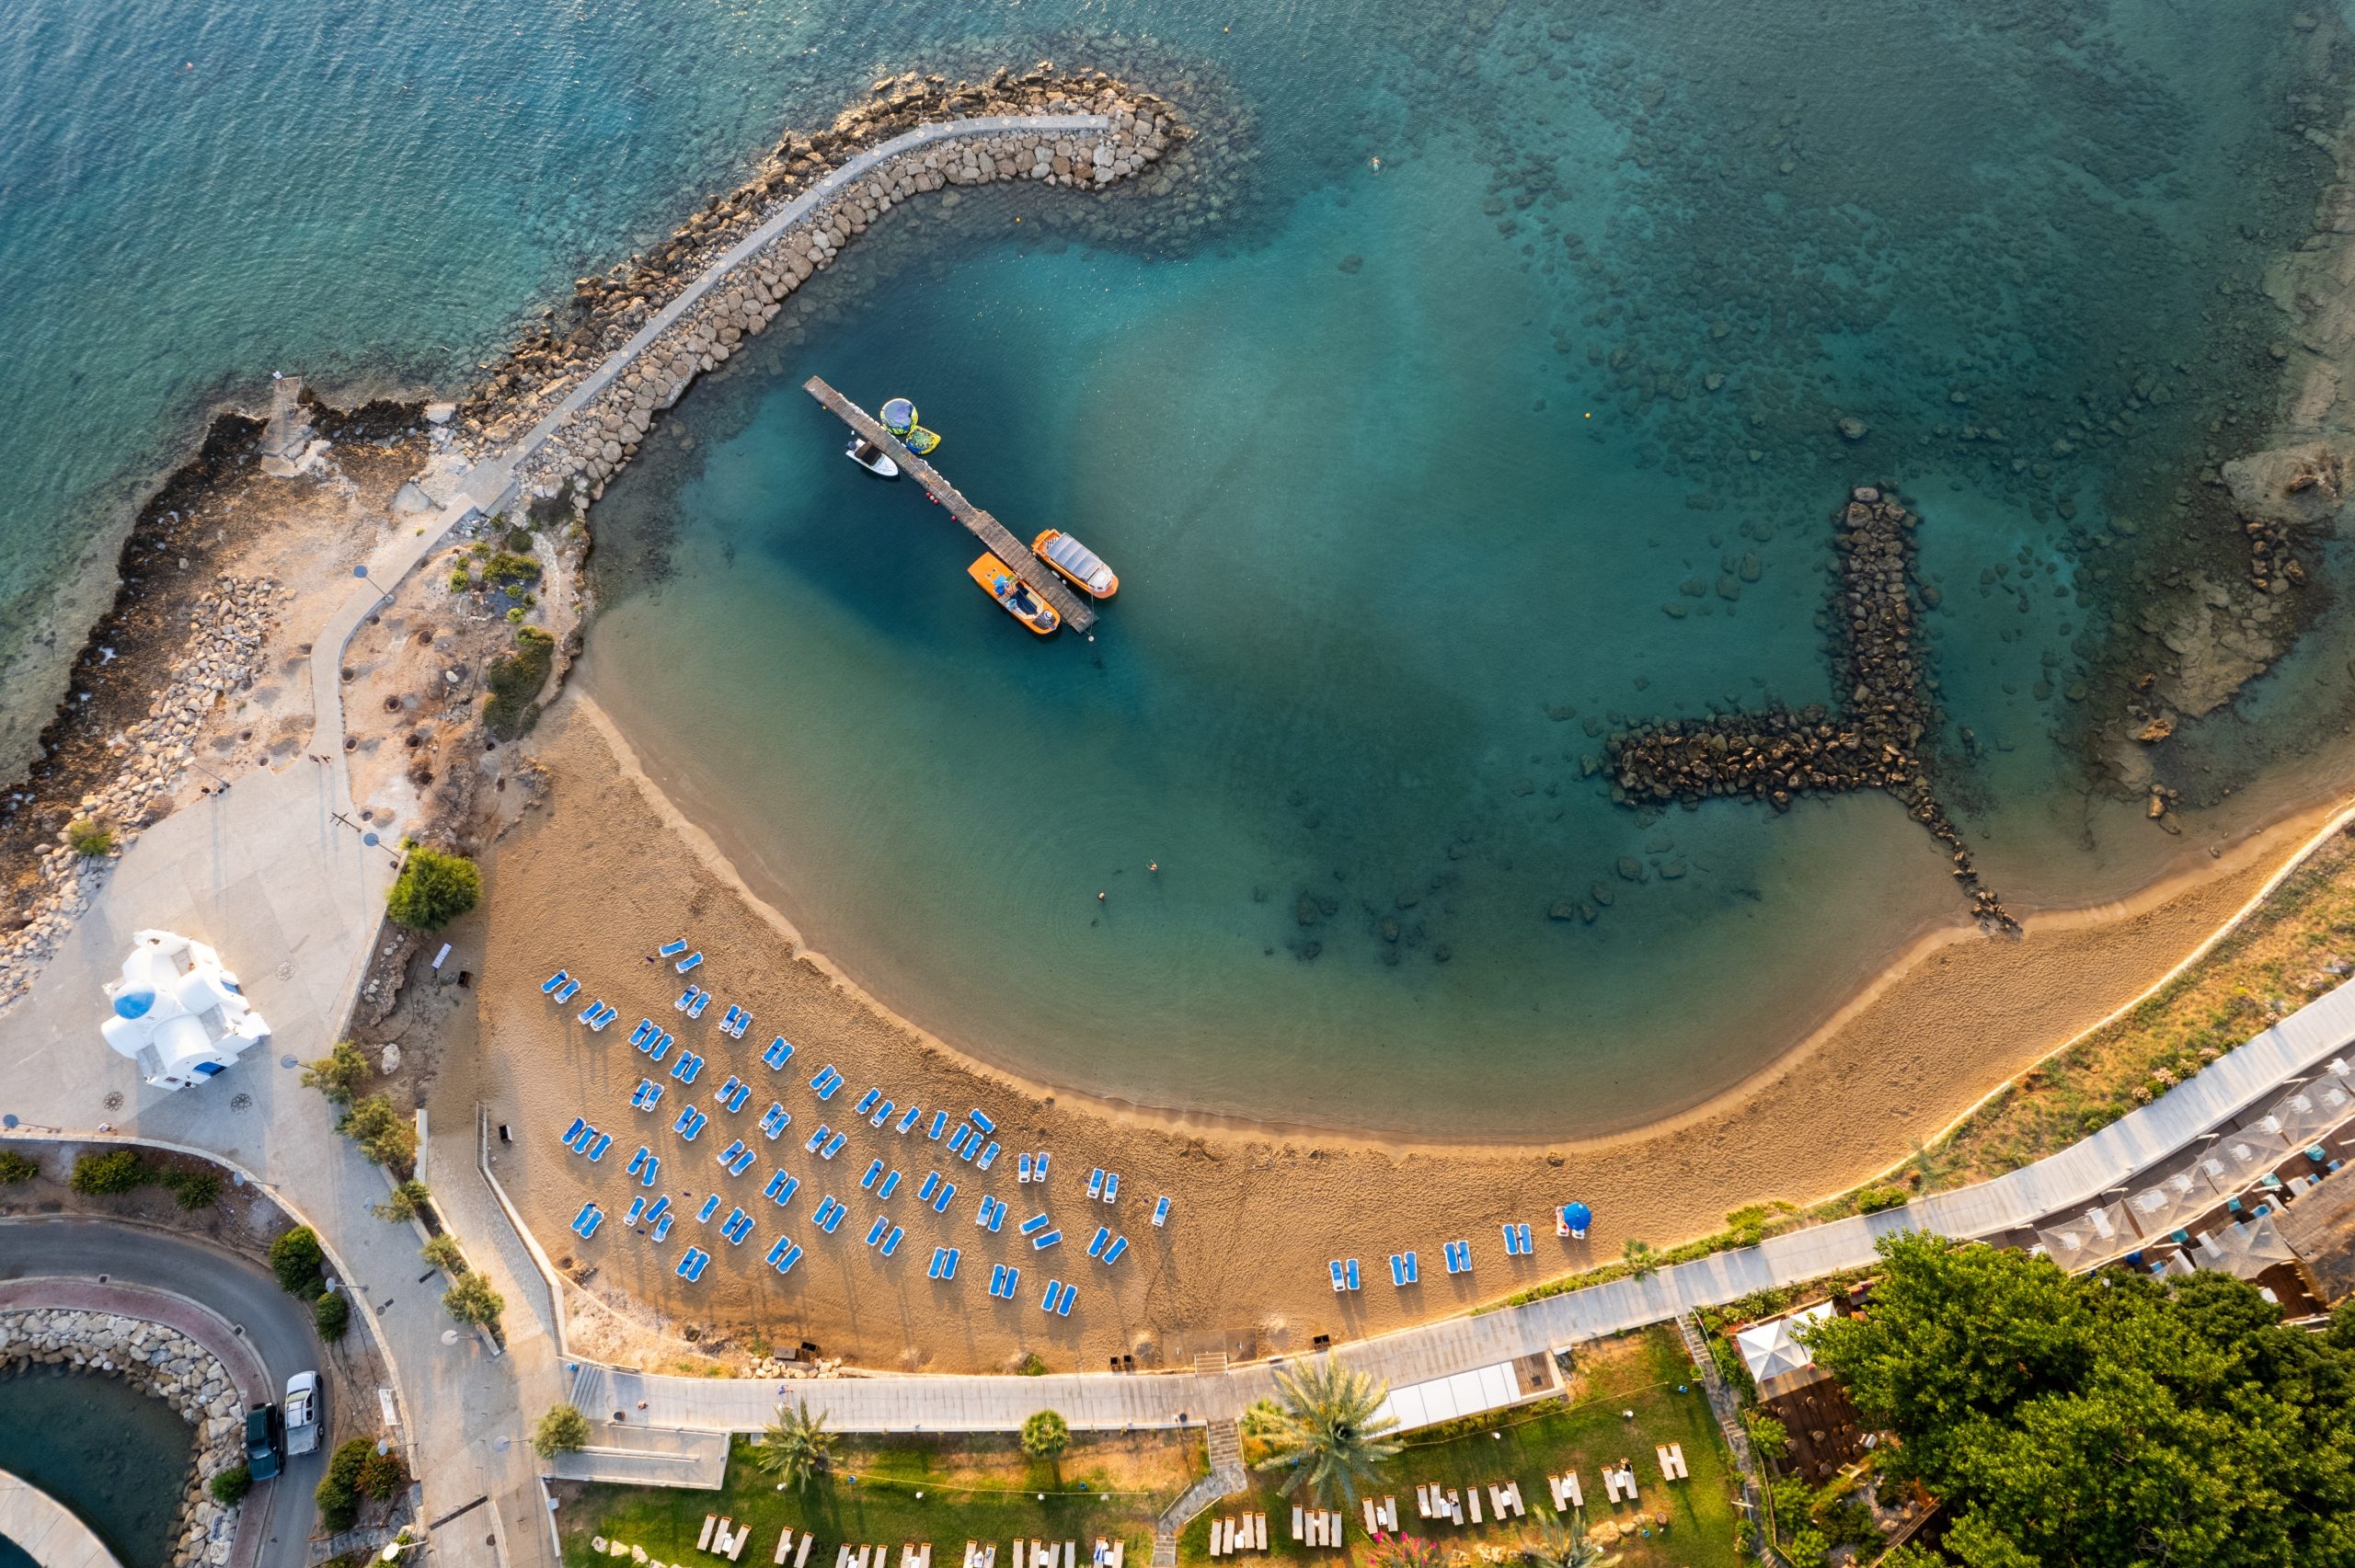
[(899, 416), (918, 439)]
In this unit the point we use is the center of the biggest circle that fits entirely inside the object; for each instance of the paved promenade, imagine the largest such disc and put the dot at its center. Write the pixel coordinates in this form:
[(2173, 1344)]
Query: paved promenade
[(49, 1535)]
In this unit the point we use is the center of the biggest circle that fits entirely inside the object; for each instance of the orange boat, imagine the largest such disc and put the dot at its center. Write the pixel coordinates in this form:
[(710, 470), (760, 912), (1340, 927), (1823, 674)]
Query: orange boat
[(1078, 564), (997, 580)]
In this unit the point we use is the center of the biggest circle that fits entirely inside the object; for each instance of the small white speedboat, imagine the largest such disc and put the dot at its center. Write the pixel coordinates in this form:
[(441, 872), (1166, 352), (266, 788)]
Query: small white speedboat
[(872, 458)]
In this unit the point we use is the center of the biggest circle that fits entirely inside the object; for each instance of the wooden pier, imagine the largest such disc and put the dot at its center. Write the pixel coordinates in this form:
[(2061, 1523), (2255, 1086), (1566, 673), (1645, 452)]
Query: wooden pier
[(1014, 553)]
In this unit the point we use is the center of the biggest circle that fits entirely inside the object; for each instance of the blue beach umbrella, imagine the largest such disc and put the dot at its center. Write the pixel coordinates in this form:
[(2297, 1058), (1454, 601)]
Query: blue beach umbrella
[(1577, 1217)]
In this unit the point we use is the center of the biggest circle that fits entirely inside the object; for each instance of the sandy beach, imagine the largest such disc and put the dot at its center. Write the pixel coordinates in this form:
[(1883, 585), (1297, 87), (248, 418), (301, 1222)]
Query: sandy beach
[(602, 873)]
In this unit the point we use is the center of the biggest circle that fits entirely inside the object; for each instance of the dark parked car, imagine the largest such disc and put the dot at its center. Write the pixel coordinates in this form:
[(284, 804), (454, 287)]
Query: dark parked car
[(264, 1440)]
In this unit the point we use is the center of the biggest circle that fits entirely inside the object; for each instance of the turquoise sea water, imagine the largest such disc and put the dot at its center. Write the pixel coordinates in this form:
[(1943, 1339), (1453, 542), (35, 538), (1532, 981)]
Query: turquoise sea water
[(114, 1456), (1403, 470)]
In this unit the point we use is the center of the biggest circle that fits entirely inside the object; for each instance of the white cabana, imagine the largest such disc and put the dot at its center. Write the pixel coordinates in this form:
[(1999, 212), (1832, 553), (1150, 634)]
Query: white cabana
[(1771, 1350), (177, 1013)]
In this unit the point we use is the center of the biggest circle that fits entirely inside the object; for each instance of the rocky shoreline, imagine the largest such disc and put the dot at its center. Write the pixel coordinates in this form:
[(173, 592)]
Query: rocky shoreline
[(163, 1364), (1876, 740)]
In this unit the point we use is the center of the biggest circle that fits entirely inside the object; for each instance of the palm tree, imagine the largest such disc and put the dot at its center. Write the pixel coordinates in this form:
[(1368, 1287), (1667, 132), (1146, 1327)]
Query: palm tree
[(1326, 1432), (1561, 1544), (794, 1446), (1640, 1258)]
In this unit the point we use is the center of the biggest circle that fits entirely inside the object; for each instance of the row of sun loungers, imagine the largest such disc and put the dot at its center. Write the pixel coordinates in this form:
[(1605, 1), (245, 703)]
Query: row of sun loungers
[(944, 1262), (777, 1055), (1565, 1490), (582, 1138), (1002, 1280), (735, 1021), (783, 1255), (733, 1094), (692, 1263), (785, 1545), (886, 1232), (1518, 1242), (1619, 1484), (597, 1014), (687, 1067), (1381, 1517), (1671, 1461), (1317, 1527), (1110, 1255), (1059, 1297), (1103, 1185), (1244, 1532), (1403, 1270), (781, 1187), (1345, 1273)]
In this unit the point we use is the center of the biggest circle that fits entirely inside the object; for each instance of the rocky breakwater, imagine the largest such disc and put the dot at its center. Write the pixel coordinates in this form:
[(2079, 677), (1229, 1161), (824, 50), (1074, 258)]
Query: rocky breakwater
[(226, 629), (592, 443), (161, 1362), (1875, 741)]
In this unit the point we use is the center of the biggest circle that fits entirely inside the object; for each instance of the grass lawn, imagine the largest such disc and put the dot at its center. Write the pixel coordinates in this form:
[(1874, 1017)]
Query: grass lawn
[(1583, 1430), (977, 1487), (982, 1488)]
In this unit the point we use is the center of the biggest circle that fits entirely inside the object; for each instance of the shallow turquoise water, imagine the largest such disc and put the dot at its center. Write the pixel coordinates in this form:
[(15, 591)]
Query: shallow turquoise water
[(112, 1454), (1395, 466)]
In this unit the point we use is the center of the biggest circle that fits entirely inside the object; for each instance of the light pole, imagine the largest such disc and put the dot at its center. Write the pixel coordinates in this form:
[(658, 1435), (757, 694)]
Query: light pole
[(360, 571)]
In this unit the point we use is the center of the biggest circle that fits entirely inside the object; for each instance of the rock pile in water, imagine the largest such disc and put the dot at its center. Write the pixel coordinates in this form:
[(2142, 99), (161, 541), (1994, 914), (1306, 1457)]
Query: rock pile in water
[(1873, 741)]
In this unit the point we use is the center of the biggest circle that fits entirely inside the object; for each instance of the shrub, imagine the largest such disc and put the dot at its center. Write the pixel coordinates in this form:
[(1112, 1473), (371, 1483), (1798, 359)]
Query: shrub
[(1031, 1366), (472, 1301), (1045, 1435), (384, 1135), (382, 1476), (229, 1486), (339, 1492), (506, 567), (460, 581), (332, 1313), (408, 1197), (515, 681), (442, 1252), (88, 837), (339, 1074), (195, 1189), (433, 888), (15, 1167), (299, 1262), (563, 1430), (115, 1170), (1874, 1198), (520, 541)]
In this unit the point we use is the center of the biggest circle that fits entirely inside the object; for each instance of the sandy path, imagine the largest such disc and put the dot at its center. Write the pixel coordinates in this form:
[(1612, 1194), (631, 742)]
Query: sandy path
[(606, 872)]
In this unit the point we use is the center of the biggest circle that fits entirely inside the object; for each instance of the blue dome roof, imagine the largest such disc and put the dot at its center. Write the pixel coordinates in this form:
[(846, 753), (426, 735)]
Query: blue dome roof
[(134, 1003)]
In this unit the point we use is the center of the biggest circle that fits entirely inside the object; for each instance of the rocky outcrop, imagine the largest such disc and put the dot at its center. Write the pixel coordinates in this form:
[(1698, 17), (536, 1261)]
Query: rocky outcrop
[(224, 653), (167, 1364), (1874, 742)]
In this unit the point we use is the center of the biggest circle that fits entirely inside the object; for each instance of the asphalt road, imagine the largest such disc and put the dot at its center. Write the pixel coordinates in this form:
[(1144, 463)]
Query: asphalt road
[(275, 1324)]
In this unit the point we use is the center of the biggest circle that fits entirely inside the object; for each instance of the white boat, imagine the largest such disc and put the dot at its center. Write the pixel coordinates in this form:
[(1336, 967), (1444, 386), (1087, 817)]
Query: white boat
[(872, 458)]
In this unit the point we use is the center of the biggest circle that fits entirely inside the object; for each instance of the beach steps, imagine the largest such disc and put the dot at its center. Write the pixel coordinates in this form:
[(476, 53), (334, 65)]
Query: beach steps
[(1014, 552), (1226, 1478)]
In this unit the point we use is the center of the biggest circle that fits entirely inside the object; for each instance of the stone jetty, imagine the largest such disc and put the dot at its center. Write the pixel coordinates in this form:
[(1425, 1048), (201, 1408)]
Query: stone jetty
[(1873, 741)]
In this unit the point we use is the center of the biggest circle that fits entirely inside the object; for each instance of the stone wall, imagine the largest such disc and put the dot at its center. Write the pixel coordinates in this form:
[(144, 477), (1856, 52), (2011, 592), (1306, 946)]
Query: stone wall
[(172, 1367)]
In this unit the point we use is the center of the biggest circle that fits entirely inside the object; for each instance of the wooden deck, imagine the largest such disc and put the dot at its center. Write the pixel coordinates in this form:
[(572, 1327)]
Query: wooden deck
[(1014, 552)]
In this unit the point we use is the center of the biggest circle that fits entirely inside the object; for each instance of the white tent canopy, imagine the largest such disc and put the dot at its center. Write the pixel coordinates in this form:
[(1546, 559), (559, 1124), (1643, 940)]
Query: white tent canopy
[(177, 1013), (1769, 1349)]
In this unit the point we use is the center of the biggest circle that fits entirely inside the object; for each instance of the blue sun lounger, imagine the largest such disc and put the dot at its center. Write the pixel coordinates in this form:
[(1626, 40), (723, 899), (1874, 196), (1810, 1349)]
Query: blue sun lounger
[(882, 1113), (742, 1163), (866, 1102), (584, 1218), (643, 1031), (725, 1089), (686, 999), (874, 1171), (1112, 1253), (992, 1217), (671, 949), (589, 1014), (659, 1049), (732, 1151), (943, 1264), (728, 1019), (947, 1191), (637, 1161), (596, 1150), (988, 1158), (1022, 1170), (1033, 1225), (572, 1134), (696, 1008), (1003, 1281), (1096, 1242), (653, 1172), (778, 1054), (565, 991), (689, 962), (1070, 1294), (692, 1263), (817, 1137), (735, 1098), (1160, 1210), (940, 1125), (875, 1232), (773, 1120), (1039, 1171), (1041, 1244), (929, 1185), (662, 1207), (1340, 1280), (833, 1222), (833, 1146), (776, 1251), (685, 1069), (736, 1226), (1096, 1182), (1350, 1269), (781, 1187), (662, 1230), (743, 1021), (710, 1206), (637, 1211), (908, 1119), (792, 1255), (1111, 1186), (548, 987), (979, 1120), (890, 1184), (1457, 1257), (891, 1242)]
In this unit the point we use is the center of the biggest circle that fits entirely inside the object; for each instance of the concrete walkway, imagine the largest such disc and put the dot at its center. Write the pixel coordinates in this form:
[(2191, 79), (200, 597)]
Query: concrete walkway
[(48, 1531)]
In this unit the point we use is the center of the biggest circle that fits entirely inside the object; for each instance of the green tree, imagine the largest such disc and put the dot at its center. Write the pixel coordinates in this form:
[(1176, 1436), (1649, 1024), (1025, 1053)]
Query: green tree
[(2103, 1420), (433, 890), (562, 1430), (794, 1446), (1768, 1436), (1640, 1257), (406, 1199), (382, 1476), (472, 1301), (1327, 1433), (332, 1313), (384, 1134), (338, 1494), (444, 1254), (339, 1074), (299, 1262), (1045, 1435)]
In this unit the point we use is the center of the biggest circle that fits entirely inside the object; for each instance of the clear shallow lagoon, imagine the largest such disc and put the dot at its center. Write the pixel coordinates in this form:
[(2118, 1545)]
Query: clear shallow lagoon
[(1339, 447), (113, 1455)]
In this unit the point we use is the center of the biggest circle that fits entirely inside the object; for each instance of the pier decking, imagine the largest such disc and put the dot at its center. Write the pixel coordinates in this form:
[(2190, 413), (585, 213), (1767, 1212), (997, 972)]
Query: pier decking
[(1017, 554)]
